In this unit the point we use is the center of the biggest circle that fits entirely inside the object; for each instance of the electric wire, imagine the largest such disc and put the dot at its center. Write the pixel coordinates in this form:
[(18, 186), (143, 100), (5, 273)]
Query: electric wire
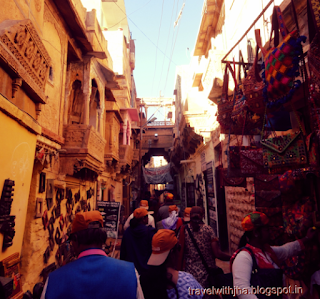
[(143, 33), (172, 50), (166, 44), (130, 14), (155, 67)]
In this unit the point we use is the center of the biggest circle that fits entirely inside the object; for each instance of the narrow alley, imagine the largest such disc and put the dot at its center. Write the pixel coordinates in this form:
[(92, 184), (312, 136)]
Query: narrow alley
[(160, 149)]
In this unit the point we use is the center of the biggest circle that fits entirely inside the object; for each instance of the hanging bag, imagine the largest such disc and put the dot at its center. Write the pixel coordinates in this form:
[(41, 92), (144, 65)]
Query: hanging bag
[(314, 36), (225, 105), (313, 8), (283, 152), (251, 161), (282, 63), (266, 182), (245, 120), (253, 85), (288, 151), (297, 218)]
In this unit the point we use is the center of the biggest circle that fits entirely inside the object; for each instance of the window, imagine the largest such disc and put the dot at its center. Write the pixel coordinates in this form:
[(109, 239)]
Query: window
[(51, 74)]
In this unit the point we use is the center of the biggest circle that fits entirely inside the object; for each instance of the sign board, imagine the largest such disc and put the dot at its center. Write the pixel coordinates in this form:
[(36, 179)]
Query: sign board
[(10, 267), (110, 212), (210, 186)]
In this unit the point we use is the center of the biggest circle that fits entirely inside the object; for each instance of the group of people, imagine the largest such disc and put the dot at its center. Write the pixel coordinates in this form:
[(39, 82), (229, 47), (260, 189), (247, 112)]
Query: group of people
[(166, 262)]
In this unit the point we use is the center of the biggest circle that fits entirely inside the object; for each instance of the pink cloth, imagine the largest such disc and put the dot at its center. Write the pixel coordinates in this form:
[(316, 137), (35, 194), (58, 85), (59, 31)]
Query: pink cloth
[(92, 252)]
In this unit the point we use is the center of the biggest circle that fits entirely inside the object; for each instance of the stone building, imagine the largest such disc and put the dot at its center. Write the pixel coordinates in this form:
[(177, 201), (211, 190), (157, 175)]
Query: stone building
[(67, 105)]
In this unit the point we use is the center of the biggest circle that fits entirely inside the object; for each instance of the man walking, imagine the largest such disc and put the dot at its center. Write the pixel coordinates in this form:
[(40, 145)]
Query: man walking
[(136, 241), (143, 204), (163, 212), (93, 274)]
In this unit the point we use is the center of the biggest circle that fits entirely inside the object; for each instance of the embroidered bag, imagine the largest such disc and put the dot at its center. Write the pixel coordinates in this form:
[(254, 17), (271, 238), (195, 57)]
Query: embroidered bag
[(251, 161), (294, 267), (282, 62), (245, 120), (231, 181), (266, 182), (284, 151), (314, 37), (297, 218), (276, 234), (268, 199), (274, 215), (225, 105), (253, 84), (239, 114)]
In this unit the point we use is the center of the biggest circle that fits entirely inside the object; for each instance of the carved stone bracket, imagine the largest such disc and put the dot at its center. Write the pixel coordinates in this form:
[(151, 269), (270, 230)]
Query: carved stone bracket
[(16, 84), (22, 49)]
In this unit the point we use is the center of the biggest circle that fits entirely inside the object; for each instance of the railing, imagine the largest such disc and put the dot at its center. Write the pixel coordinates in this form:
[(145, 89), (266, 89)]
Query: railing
[(160, 123)]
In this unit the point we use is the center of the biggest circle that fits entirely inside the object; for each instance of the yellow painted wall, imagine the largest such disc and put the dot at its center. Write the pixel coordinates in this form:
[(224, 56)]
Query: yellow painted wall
[(16, 163), (50, 115), (36, 239)]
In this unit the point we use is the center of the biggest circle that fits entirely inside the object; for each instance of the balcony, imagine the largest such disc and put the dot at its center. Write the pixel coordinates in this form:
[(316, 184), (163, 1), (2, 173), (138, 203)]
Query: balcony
[(161, 124), (84, 147), (125, 154)]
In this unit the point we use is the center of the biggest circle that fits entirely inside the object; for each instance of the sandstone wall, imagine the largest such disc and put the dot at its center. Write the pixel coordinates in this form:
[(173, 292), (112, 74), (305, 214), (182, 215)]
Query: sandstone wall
[(36, 238)]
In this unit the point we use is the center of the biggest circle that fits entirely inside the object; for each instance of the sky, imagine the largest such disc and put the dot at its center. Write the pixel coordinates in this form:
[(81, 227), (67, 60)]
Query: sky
[(151, 69)]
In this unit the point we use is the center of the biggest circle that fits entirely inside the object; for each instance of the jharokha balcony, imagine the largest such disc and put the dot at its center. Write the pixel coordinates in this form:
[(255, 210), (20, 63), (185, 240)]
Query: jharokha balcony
[(83, 148), (125, 154)]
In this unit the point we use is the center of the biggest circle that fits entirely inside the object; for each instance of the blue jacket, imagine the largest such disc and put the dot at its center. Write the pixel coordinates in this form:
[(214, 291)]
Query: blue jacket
[(93, 276), (136, 246)]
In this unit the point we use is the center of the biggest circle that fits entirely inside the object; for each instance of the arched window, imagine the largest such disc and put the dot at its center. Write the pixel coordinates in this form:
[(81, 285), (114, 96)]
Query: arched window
[(76, 107), (94, 105)]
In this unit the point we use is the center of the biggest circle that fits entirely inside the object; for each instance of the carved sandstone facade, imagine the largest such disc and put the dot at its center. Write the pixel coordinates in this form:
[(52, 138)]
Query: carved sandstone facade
[(71, 120)]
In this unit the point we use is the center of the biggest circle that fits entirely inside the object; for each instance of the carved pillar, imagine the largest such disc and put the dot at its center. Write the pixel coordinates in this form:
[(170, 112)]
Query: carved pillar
[(87, 88), (124, 133), (86, 95), (99, 126), (67, 100), (128, 132)]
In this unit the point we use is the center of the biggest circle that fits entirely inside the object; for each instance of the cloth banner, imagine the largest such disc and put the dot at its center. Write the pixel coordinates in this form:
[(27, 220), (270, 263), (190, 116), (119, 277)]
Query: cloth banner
[(159, 175)]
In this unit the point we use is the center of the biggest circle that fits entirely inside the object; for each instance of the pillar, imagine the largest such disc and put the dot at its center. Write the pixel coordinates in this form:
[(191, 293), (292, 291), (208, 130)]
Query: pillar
[(87, 88)]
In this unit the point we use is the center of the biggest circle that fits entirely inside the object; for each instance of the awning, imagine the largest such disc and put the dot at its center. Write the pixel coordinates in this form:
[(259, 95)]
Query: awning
[(133, 113)]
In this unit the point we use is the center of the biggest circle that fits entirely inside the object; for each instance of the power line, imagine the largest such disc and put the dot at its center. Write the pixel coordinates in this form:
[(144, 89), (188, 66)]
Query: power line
[(171, 56), (130, 14), (155, 66), (166, 43), (143, 33), (174, 44)]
